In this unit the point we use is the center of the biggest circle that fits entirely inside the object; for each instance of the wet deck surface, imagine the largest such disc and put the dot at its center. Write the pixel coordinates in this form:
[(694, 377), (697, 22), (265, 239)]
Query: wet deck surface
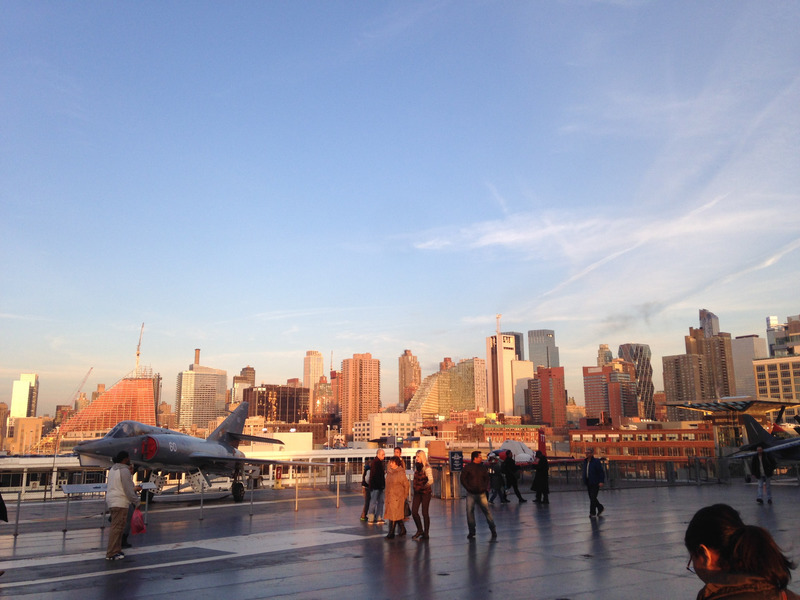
[(634, 550)]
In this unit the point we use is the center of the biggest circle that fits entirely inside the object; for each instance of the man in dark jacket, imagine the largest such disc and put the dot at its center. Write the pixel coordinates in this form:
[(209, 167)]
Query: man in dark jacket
[(377, 484), (594, 476), (511, 471), (475, 479), (763, 466)]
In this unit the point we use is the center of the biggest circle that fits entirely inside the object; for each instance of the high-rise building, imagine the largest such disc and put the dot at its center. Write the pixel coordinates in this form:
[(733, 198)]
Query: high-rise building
[(24, 395), (745, 349), (132, 398), (245, 379), (610, 390), (313, 369), (519, 343), (500, 383), (684, 382), (778, 378), (460, 387), (783, 338), (718, 362), (709, 323), (522, 371), (604, 355), (547, 400), (278, 403), (409, 377), (542, 349), (639, 355), (200, 394), (360, 388)]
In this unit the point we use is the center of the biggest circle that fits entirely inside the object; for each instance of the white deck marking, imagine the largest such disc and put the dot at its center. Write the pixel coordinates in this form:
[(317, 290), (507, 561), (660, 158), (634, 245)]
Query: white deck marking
[(233, 546)]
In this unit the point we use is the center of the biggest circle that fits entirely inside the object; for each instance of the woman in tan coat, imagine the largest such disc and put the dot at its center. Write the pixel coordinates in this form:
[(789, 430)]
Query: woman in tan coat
[(397, 487)]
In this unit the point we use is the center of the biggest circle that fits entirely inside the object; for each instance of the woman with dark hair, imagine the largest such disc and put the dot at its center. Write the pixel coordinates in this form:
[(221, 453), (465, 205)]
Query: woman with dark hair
[(736, 561)]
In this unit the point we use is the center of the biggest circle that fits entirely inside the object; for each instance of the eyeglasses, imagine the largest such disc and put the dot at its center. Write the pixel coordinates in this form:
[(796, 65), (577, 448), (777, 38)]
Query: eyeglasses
[(690, 567)]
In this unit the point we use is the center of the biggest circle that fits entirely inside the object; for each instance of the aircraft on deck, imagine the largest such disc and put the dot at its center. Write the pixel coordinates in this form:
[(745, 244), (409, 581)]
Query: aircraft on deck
[(157, 449), (785, 450)]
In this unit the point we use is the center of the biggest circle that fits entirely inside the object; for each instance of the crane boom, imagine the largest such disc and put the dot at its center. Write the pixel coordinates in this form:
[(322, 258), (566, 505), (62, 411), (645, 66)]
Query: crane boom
[(139, 347)]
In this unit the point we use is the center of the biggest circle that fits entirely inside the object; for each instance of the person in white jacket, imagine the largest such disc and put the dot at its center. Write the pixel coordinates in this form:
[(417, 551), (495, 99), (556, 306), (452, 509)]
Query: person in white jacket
[(120, 494)]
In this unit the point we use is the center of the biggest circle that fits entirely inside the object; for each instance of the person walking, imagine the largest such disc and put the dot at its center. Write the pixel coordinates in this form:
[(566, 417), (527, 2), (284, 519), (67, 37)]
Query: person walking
[(594, 477), (396, 496), (377, 484), (541, 479), (120, 494), (762, 467), (511, 471), (475, 479), (423, 490)]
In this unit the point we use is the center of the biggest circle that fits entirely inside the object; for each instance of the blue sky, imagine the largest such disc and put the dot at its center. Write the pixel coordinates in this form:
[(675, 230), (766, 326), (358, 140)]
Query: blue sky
[(261, 179)]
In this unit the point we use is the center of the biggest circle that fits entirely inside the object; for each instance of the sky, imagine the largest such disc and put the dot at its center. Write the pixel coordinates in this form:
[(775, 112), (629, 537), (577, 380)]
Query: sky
[(259, 179)]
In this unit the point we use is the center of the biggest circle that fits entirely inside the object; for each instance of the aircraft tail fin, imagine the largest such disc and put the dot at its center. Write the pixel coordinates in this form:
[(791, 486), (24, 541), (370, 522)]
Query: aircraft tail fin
[(233, 423), (756, 434)]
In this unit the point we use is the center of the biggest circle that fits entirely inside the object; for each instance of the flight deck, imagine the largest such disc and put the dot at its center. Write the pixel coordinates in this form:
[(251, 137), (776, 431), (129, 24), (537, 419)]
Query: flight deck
[(274, 546)]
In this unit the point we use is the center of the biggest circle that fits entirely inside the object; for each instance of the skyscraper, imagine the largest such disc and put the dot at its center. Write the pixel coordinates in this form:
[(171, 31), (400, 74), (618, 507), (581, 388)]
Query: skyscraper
[(360, 387), (542, 349), (519, 343), (604, 355), (547, 398), (409, 377), (709, 323), (783, 338), (639, 355), (745, 349), (499, 380), (611, 390), (460, 387), (246, 379), (200, 394), (684, 382), (132, 398), (24, 395), (313, 369), (278, 403), (717, 362)]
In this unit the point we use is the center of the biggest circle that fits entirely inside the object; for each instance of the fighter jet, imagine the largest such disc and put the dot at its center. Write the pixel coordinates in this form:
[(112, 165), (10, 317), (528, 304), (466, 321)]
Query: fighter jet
[(157, 449), (783, 450)]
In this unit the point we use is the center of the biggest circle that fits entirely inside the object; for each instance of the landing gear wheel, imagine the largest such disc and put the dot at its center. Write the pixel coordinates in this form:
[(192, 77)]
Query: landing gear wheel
[(237, 489)]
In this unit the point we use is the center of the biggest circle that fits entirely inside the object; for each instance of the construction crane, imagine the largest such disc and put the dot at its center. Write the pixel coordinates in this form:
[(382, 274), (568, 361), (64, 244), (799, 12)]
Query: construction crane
[(77, 393), (139, 347)]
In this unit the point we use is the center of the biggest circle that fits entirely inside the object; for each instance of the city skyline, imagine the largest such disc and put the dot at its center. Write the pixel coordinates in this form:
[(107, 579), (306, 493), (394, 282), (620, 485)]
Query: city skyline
[(260, 181)]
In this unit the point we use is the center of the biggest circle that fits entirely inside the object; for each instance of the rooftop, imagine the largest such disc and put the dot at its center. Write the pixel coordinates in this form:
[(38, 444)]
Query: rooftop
[(263, 548)]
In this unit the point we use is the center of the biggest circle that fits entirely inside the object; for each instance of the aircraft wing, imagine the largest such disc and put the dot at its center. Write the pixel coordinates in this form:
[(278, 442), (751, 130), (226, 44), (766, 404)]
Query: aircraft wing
[(254, 438), (793, 443)]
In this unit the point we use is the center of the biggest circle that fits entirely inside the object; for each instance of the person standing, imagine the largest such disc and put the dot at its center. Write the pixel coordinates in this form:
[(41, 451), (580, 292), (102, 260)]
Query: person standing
[(423, 490), (377, 484), (763, 466), (496, 481), (396, 496), (594, 477), (475, 479), (541, 479), (120, 494), (365, 489), (511, 471)]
